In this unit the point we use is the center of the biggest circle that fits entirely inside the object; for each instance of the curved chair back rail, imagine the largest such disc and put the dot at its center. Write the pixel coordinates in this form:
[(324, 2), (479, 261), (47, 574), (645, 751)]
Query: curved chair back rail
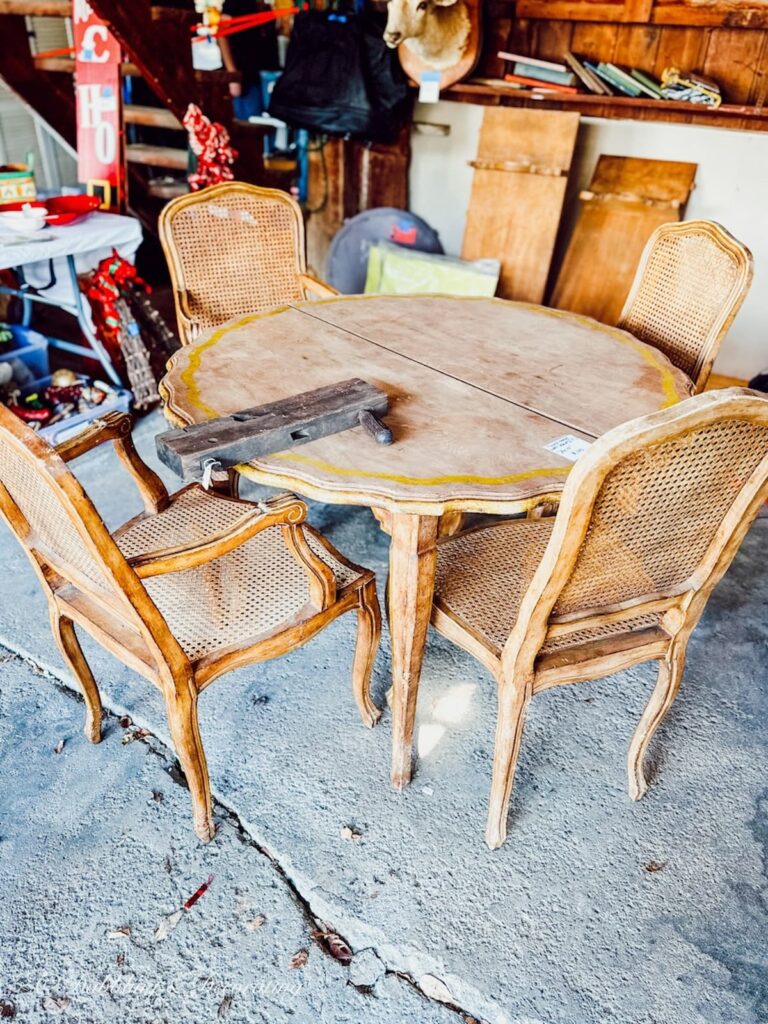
[(234, 249), (650, 519), (690, 283), (196, 585)]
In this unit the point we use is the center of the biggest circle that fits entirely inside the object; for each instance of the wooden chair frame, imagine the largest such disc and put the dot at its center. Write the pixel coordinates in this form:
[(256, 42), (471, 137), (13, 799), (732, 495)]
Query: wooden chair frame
[(721, 239), (310, 286), (522, 671), (126, 621)]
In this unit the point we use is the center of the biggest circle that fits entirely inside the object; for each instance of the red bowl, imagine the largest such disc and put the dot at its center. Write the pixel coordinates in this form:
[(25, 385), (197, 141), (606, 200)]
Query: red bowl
[(68, 209), (61, 209)]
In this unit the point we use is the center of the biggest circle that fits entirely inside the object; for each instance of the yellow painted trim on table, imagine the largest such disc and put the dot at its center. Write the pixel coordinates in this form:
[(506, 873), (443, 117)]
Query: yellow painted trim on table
[(669, 388), (431, 481)]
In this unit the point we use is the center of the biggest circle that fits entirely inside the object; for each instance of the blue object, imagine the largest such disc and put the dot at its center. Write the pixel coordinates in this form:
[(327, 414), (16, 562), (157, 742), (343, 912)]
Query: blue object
[(29, 346), (302, 163), (118, 401), (250, 104)]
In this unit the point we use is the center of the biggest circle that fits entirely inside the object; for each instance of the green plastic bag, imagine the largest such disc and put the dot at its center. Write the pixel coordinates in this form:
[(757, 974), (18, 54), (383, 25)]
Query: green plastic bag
[(395, 270)]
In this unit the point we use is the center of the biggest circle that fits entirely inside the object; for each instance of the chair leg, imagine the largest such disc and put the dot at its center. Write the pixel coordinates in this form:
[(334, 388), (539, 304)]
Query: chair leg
[(368, 636), (228, 486), (513, 702), (66, 639), (185, 732), (661, 700)]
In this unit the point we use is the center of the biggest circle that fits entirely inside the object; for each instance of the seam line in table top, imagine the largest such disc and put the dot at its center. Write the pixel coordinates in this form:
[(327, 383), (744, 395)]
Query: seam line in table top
[(444, 373)]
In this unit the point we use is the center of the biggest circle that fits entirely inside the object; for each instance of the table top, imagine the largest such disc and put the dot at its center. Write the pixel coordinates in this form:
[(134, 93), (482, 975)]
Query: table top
[(93, 233), (478, 387)]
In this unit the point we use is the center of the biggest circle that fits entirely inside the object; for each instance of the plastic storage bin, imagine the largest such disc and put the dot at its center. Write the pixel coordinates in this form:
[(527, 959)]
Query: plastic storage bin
[(29, 346), (56, 433)]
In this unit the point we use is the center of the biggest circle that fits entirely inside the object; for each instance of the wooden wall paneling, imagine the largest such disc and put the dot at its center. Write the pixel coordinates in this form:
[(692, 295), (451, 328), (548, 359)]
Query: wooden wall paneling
[(553, 39), (759, 92), (518, 189), (628, 198), (594, 40), (732, 13), (587, 10), (637, 46), (496, 35), (733, 60)]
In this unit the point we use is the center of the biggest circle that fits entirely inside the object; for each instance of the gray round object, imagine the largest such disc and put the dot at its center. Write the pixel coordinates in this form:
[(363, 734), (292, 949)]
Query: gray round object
[(347, 262)]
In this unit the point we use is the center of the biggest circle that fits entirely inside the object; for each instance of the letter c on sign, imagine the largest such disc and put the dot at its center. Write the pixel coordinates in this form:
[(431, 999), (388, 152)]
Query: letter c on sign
[(91, 37)]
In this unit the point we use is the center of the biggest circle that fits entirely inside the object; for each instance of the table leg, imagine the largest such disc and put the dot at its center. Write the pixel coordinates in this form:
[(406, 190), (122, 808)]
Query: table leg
[(412, 561)]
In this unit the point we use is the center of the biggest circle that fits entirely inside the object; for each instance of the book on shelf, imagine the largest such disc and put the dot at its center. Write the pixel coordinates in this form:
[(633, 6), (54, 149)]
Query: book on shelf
[(535, 61), (610, 89), (619, 79), (526, 70), (649, 85), (536, 83), (587, 77)]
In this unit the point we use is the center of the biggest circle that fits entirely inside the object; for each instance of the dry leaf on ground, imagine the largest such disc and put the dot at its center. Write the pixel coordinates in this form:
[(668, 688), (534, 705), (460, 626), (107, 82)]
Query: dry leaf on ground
[(298, 959), (335, 945), (655, 865)]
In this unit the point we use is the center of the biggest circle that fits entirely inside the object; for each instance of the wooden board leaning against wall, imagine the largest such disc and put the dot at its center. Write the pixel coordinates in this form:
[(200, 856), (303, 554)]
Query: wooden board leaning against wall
[(627, 199), (518, 189)]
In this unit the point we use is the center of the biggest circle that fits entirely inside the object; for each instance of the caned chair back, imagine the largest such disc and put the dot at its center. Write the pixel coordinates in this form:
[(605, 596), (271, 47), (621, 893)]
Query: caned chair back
[(232, 249), (691, 281), (653, 513), (62, 532)]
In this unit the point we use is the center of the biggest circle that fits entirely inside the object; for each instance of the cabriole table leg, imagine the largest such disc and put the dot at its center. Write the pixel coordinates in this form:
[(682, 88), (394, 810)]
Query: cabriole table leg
[(412, 561)]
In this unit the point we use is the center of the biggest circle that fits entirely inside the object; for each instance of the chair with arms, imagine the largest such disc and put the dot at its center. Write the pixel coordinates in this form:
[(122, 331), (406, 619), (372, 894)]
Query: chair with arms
[(690, 283), (650, 519), (196, 585), (234, 249)]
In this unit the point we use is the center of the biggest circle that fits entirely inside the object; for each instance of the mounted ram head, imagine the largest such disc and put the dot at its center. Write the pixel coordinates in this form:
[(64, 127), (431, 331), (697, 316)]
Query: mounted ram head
[(436, 31)]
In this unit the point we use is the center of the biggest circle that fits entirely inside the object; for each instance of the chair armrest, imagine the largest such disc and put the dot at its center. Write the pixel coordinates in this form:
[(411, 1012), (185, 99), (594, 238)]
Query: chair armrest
[(116, 427), (319, 289), (282, 510)]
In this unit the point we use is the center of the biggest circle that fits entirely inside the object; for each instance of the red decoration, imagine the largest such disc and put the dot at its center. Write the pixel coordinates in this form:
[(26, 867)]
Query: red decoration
[(209, 141), (106, 285)]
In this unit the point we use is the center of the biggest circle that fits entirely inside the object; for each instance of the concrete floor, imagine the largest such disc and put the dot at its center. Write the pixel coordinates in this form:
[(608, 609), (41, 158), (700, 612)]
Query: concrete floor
[(597, 910)]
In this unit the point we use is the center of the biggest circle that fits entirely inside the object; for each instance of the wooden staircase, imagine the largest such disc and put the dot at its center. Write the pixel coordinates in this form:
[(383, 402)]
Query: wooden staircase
[(156, 43)]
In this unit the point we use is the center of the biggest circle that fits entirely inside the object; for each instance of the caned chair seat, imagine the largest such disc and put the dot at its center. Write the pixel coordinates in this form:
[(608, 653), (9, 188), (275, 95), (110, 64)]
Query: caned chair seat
[(483, 574), (237, 599), (197, 585), (650, 518)]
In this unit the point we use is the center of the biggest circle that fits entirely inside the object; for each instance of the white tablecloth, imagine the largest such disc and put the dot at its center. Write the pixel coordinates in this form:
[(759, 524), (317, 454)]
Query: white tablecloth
[(89, 241)]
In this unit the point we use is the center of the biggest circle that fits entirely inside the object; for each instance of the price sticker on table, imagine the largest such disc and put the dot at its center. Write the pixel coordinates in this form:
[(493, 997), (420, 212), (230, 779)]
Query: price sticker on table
[(568, 446)]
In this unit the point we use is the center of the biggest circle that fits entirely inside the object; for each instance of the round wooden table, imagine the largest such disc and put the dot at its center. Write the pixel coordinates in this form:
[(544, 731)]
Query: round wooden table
[(478, 389)]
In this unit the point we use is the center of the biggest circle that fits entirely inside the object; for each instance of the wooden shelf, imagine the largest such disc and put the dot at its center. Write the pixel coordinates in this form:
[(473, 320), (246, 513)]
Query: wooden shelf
[(621, 107)]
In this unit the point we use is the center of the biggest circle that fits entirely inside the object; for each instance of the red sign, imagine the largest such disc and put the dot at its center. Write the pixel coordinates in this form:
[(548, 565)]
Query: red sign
[(99, 135)]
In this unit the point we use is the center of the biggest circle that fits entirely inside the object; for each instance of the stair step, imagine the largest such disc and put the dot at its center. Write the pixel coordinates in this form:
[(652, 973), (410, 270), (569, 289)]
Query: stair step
[(37, 8), (157, 156), (153, 117), (167, 188), (66, 65)]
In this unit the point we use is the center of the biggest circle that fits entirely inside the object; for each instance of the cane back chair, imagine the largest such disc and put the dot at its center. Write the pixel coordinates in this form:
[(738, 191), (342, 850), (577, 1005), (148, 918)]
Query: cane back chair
[(234, 249), (196, 585), (690, 283), (650, 518)]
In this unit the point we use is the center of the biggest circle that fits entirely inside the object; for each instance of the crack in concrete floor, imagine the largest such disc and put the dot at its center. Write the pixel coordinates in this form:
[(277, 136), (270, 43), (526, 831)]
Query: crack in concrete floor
[(429, 986)]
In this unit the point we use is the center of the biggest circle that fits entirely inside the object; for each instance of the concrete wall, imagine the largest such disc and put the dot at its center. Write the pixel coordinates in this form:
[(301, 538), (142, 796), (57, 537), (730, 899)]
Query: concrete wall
[(731, 187)]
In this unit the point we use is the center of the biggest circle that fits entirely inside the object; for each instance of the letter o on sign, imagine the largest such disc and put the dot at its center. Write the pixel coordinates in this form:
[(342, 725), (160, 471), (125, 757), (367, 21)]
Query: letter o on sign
[(105, 142)]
